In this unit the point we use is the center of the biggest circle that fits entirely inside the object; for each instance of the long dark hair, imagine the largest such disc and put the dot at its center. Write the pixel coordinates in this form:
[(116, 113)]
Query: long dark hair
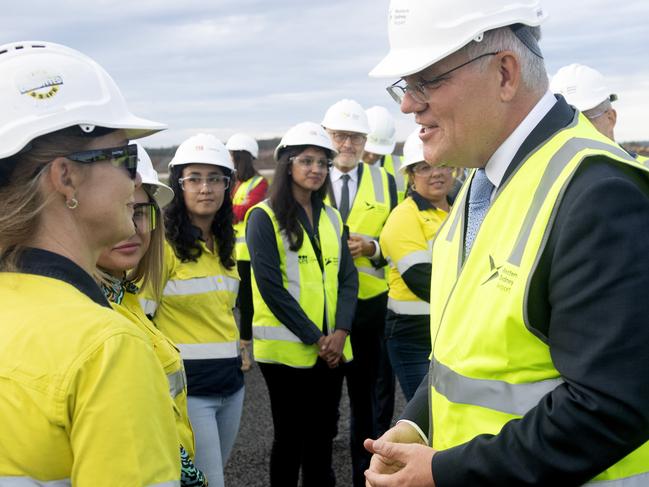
[(242, 160), (183, 235), (281, 196)]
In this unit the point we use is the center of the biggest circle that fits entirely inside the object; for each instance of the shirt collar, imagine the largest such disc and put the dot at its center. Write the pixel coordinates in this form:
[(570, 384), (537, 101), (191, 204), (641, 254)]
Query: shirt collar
[(499, 161), (337, 173), (41, 262)]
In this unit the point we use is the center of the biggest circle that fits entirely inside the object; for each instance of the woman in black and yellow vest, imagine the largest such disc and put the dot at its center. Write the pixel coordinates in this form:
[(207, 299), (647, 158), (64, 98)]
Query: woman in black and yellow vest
[(304, 292)]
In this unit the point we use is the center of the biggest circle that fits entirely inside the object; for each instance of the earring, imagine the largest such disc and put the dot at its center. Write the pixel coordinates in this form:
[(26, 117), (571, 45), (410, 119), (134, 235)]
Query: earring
[(72, 203)]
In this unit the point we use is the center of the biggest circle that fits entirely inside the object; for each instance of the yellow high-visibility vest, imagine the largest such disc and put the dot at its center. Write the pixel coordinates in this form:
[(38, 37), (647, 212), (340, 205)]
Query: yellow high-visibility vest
[(392, 164), (244, 189), (314, 289), (487, 368)]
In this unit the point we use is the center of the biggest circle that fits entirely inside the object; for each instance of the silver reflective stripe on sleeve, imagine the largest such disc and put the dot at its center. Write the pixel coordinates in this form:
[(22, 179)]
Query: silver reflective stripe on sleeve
[(171, 483), (377, 182), (197, 351), (30, 482), (149, 306), (177, 382), (379, 273), (639, 480), (417, 257), (275, 333), (409, 307), (201, 285), (501, 396), (241, 240)]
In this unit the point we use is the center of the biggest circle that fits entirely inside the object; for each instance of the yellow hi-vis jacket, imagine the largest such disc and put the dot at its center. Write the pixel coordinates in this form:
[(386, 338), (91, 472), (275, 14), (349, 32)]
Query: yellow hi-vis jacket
[(392, 164), (83, 399), (169, 358), (366, 218), (487, 368), (241, 249), (406, 240), (314, 289)]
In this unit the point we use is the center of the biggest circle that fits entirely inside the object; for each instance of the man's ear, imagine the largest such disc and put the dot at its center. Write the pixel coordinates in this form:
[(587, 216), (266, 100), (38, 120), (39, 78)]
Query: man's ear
[(509, 70)]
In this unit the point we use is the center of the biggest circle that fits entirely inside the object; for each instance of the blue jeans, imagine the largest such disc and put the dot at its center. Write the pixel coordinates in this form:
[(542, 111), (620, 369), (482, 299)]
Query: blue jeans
[(409, 346), (215, 421)]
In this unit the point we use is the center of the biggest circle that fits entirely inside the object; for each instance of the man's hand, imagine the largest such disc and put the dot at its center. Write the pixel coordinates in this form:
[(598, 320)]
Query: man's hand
[(400, 465), (360, 246)]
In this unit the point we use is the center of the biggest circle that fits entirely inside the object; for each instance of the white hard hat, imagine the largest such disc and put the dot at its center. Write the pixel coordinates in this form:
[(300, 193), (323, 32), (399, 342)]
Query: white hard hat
[(413, 151), (161, 193), (347, 115), (382, 136), (45, 87), (424, 32), (243, 142), (581, 86), (202, 149), (305, 133)]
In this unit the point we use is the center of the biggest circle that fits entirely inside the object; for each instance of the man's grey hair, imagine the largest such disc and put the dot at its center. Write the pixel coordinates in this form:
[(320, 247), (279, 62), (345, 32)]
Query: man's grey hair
[(598, 110), (533, 73)]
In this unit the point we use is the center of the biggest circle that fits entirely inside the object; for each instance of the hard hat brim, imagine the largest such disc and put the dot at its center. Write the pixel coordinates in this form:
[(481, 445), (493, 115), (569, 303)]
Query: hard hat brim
[(162, 194)]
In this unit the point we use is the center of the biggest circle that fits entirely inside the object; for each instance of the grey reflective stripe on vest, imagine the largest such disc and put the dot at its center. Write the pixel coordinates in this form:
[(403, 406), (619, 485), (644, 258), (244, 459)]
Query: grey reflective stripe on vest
[(241, 240), (413, 258), (292, 269), (30, 482), (369, 237), (275, 333), (554, 168), (379, 273), (177, 382), (331, 213), (149, 306), (198, 351), (377, 181), (253, 184), (640, 480), (199, 285), (498, 395), (171, 483), (408, 307)]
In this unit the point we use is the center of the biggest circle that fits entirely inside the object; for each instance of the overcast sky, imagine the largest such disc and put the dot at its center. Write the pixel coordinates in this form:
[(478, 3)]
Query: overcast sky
[(224, 66)]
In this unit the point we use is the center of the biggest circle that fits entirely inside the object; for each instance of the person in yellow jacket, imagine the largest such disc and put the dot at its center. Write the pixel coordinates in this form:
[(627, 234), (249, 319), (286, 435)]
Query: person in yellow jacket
[(539, 313), (136, 262), (250, 188), (198, 290), (406, 241), (304, 291), (83, 398)]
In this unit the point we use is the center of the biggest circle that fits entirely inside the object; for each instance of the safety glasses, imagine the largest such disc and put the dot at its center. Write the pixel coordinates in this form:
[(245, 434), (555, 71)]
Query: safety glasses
[(145, 216), (125, 157)]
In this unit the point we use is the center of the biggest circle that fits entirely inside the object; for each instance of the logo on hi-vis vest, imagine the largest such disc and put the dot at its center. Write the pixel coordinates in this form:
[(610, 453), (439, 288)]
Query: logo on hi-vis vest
[(368, 206), (330, 260), (504, 274)]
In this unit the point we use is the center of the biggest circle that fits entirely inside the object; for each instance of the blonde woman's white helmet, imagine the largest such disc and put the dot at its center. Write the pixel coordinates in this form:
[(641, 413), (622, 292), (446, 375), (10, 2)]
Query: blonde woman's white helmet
[(581, 86), (382, 137), (413, 151), (202, 149), (161, 193), (305, 133), (346, 115), (45, 87), (243, 142), (424, 32)]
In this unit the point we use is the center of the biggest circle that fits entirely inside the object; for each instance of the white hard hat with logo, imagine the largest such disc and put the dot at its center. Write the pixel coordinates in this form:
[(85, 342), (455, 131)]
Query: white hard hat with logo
[(346, 115), (422, 33), (161, 193), (202, 149), (581, 86), (243, 142), (413, 151), (382, 137), (45, 87), (306, 133)]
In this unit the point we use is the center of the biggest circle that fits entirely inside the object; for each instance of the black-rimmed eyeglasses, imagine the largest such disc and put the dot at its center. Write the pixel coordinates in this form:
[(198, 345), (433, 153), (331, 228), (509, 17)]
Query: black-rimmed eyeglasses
[(417, 90)]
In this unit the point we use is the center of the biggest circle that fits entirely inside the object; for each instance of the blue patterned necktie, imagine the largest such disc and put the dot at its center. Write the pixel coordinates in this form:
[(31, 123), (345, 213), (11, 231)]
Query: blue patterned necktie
[(479, 200), (344, 197)]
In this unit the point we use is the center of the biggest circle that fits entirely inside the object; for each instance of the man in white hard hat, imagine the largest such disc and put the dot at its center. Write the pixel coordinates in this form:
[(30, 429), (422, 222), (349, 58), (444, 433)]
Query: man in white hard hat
[(380, 145), (364, 195), (539, 309)]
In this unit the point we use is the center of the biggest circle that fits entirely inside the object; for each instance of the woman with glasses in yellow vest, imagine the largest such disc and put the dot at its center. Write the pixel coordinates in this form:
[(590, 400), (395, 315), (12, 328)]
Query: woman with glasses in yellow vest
[(136, 262), (198, 291), (406, 242), (304, 292), (83, 398), (249, 189)]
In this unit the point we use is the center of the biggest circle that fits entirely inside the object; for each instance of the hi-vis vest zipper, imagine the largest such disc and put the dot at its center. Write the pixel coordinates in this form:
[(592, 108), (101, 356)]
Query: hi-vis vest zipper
[(487, 368), (244, 189), (314, 289), (369, 211)]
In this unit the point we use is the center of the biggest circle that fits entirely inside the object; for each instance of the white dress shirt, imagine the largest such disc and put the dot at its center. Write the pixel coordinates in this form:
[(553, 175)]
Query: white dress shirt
[(337, 183)]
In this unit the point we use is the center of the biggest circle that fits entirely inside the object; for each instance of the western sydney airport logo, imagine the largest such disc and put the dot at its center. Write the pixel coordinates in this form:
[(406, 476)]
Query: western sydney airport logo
[(505, 274), (41, 86)]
